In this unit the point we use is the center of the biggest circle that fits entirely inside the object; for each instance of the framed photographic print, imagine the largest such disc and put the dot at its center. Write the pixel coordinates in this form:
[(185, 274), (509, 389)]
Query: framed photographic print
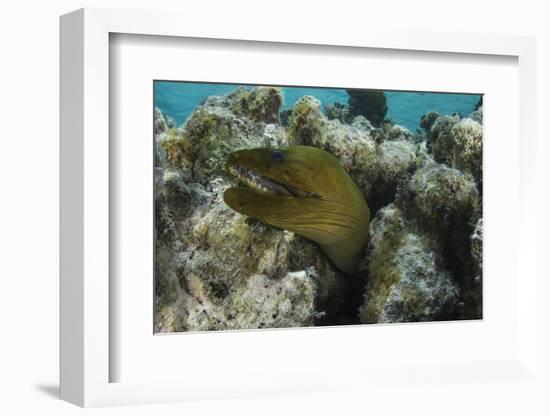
[(274, 213)]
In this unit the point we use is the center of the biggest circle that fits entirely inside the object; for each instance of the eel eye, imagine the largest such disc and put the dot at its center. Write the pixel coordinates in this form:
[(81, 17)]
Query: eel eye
[(277, 156)]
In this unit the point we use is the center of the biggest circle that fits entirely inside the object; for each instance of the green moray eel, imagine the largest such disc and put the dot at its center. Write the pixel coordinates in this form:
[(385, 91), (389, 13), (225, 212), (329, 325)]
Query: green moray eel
[(305, 190)]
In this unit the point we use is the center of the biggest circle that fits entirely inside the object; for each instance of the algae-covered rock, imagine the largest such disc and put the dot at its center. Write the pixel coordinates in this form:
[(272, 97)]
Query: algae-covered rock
[(260, 104), (266, 303), (407, 277), (473, 285), (338, 111), (259, 303), (444, 203), (170, 318), (441, 198), (215, 132), (398, 133), (161, 123), (361, 123), (221, 125), (440, 140), (233, 273), (177, 149), (428, 120), (457, 142), (308, 126), (238, 273), (423, 155), (466, 154), (331, 285), (477, 115), (175, 200), (477, 244), (395, 162), (159, 154)]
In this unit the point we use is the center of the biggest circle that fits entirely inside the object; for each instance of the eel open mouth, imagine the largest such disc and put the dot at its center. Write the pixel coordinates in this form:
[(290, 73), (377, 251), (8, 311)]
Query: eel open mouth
[(265, 185), (305, 190)]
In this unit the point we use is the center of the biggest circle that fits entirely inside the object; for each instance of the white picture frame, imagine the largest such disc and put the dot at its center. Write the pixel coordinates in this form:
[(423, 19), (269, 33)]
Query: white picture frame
[(85, 353)]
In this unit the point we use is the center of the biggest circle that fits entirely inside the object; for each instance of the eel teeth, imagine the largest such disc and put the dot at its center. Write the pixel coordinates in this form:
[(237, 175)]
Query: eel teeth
[(266, 185), (258, 182)]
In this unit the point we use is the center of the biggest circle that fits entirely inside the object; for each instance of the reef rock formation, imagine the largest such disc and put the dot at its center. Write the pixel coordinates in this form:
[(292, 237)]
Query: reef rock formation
[(161, 123), (430, 237), (214, 130), (473, 286), (398, 133), (458, 143), (445, 203), (441, 198), (338, 111), (466, 152), (428, 119), (407, 277), (310, 127), (477, 114)]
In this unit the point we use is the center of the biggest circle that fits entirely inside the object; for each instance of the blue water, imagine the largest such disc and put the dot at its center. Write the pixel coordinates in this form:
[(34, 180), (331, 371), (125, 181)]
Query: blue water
[(179, 99)]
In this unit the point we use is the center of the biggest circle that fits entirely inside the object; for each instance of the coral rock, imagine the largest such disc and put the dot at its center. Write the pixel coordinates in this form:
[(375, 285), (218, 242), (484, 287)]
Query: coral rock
[(361, 123), (214, 130), (428, 120), (473, 284), (477, 115), (395, 163), (231, 273), (331, 285), (440, 140), (445, 204), (260, 104), (439, 197), (177, 149), (338, 111), (309, 126), (466, 153), (161, 123), (477, 244), (407, 280), (458, 143), (398, 133)]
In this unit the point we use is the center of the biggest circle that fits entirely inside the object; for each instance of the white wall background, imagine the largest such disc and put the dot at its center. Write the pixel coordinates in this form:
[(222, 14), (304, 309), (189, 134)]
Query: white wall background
[(29, 81)]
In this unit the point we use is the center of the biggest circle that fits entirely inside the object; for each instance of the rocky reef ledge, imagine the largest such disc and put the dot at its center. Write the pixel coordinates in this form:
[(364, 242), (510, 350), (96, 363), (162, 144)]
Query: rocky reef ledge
[(216, 269)]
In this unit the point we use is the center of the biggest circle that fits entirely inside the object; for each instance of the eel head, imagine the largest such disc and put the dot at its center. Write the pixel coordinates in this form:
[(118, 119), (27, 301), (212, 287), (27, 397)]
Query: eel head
[(305, 190)]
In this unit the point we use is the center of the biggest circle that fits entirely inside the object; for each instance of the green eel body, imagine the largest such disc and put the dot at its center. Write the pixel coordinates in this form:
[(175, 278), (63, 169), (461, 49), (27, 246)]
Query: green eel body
[(305, 190)]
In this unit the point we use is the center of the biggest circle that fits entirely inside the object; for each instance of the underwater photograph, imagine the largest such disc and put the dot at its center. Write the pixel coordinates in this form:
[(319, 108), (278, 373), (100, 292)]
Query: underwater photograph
[(283, 206)]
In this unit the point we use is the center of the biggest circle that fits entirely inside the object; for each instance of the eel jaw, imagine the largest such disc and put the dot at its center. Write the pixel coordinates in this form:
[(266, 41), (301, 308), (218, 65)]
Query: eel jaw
[(264, 185)]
